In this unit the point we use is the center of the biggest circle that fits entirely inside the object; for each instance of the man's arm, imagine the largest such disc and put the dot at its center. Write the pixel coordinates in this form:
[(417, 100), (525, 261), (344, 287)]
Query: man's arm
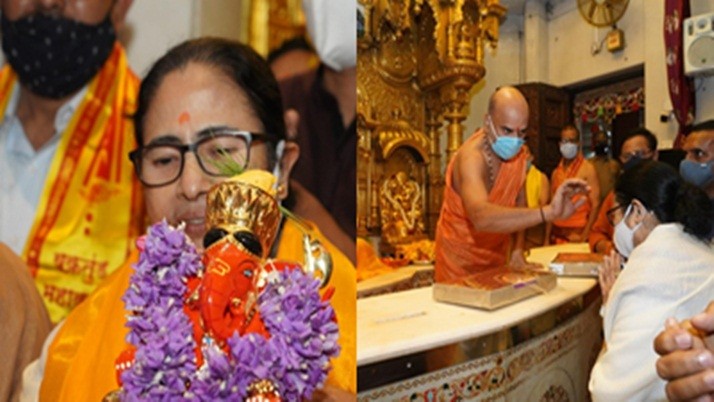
[(488, 217), (548, 230), (517, 258), (24, 320)]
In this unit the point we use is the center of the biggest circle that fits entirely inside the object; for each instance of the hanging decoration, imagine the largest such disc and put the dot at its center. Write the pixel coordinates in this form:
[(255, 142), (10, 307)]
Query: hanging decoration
[(681, 91), (609, 105)]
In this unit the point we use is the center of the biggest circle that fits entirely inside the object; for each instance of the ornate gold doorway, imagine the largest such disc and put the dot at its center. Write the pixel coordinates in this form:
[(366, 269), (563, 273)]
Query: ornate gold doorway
[(417, 61)]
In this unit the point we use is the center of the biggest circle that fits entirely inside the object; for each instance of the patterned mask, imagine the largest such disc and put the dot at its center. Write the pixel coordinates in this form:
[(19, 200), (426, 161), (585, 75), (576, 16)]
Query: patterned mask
[(55, 56)]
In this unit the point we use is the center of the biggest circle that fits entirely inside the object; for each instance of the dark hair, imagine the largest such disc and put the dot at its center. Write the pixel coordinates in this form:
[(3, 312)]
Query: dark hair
[(707, 125), (661, 190), (571, 127), (239, 62), (296, 43), (641, 131)]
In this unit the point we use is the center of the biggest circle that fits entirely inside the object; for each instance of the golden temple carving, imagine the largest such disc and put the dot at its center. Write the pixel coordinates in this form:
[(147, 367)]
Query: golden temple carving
[(401, 209), (272, 22), (417, 61)]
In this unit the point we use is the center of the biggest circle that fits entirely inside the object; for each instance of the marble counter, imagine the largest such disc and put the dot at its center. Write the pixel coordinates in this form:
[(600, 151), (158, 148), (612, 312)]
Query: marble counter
[(401, 323), (410, 346), (400, 279)]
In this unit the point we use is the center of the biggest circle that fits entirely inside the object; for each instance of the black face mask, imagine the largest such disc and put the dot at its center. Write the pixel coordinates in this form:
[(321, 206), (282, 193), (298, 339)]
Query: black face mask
[(54, 56), (634, 161)]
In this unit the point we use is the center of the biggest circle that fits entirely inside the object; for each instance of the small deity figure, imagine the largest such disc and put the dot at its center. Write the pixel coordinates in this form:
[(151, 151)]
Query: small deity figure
[(401, 209)]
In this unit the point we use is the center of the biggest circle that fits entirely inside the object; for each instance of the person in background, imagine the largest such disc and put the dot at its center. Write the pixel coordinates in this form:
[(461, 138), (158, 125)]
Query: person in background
[(607, 168), (640, 144), (637, 145), (663, 226), (203, 94), (69, 203), (293, 57), (484, 196), (326, 100), (576, 228), (537, 196), (698, 165), (686, 362)]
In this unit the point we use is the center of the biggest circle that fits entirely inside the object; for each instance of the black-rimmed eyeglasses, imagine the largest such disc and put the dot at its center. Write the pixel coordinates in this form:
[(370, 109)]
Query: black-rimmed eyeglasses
[(639, 154), (160, 164)]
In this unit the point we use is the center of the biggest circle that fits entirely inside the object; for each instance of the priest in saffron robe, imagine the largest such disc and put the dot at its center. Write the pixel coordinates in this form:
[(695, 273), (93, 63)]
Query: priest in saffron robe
[(484, 197), (576, 228)]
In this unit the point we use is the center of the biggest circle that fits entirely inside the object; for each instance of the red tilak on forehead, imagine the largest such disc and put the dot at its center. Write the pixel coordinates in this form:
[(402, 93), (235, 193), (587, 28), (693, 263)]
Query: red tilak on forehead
[(184, 118)]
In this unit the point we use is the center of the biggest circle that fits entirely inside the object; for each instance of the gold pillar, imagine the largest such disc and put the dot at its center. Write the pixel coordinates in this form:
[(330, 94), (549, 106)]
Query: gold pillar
[(435, 187), (272, 22)]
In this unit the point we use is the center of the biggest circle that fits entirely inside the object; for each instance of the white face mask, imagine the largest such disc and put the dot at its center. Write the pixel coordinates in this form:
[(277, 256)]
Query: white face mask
[(569, 150), (332, 25), (624, 236)]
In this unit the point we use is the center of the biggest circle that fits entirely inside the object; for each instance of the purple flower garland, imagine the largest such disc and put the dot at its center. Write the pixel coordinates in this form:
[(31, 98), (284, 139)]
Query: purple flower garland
[(165, 361), (295, 358)]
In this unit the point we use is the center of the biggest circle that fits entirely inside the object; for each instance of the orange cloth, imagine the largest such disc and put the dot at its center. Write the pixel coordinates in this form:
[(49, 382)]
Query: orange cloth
[(602, 229), (460, 249), (80, 363), (368, 263), (580, 218), (90, 210)]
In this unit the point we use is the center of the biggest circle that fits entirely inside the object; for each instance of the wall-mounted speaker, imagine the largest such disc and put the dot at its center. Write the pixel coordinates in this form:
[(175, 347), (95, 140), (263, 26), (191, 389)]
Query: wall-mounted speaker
[(698, 39)]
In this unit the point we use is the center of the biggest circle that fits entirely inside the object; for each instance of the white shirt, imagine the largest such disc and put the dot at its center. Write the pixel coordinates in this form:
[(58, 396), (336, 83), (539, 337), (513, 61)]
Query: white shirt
[(23, 170), (671, 274)]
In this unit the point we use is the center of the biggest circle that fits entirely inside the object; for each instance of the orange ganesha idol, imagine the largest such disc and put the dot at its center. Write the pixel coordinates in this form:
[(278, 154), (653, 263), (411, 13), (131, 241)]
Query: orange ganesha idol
[(230, 324)]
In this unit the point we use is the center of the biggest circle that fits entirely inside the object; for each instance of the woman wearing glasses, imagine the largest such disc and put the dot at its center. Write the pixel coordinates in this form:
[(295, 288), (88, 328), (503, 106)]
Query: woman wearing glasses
[(204, 100), (663, 228)]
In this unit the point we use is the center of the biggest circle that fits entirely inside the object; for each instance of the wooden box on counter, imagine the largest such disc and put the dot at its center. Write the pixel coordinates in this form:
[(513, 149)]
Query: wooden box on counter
[(576, 264), (494, 288)]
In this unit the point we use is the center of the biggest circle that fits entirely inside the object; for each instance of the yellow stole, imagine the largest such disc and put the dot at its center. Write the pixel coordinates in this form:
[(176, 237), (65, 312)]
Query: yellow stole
[(80, 361), (91, 207), (534, 181)]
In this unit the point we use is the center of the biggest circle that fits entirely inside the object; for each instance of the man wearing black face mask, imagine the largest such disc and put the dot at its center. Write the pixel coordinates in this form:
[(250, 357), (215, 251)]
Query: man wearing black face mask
[(637, 145), (69, 203)]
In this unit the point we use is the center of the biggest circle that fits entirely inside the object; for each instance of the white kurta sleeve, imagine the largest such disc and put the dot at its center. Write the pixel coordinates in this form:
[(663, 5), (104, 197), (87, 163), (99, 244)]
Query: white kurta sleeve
[(625, 370)]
